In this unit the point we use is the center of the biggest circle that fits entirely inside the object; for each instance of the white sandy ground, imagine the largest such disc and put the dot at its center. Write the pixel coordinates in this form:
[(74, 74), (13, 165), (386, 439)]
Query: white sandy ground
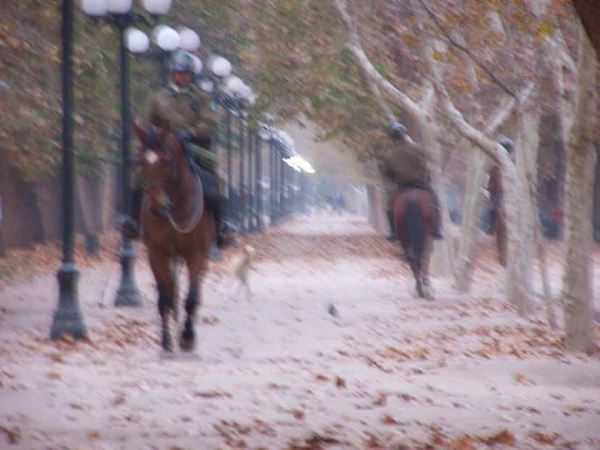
[(280, 372)]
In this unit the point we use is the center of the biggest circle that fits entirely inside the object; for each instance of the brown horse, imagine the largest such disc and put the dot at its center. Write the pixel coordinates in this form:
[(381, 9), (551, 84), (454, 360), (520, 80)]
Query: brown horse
[(175, 226), (414, 217)]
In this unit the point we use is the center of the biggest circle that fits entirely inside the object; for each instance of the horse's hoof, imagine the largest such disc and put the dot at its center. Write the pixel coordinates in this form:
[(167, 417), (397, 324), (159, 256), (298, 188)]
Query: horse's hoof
[(167, 346), (187, 343), (167, 355)]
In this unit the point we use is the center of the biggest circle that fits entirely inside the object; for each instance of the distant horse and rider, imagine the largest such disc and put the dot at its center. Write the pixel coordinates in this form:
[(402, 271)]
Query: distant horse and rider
[(413, 206), (414, 219)]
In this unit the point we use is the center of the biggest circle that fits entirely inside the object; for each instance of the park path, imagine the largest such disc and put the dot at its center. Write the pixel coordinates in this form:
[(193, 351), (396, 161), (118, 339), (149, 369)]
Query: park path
[(280, 371)]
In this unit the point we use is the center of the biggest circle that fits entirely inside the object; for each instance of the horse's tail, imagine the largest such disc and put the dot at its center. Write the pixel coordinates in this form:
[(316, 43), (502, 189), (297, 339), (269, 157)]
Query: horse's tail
[(416, 232)]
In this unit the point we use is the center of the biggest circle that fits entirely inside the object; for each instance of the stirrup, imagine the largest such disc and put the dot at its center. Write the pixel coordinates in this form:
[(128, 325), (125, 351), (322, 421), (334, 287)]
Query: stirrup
[(130, 228), (225, 234)]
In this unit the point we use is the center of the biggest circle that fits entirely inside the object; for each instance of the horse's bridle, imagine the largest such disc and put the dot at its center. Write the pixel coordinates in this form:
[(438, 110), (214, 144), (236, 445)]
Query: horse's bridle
[(164, 185), (193, 220)]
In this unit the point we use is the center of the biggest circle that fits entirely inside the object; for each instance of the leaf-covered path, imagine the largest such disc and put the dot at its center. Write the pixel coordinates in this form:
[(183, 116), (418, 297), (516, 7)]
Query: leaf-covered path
[(280, 371)]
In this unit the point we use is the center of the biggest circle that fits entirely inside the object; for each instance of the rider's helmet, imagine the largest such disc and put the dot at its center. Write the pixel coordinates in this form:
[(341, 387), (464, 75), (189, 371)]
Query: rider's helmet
[(397, 130), (182, 61), (506, 143)]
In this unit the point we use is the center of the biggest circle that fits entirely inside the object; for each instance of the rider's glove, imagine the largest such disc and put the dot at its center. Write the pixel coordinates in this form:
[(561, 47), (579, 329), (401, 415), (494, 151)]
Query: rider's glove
[(183, 136)]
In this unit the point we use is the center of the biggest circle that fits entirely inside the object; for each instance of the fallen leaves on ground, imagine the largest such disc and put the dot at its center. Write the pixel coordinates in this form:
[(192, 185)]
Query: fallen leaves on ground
[(340, 382), (469, 442), (13, 434), (544, 437)]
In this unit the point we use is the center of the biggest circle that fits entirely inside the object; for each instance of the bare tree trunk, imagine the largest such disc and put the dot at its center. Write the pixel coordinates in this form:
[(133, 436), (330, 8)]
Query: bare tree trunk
[(376, 208), (577, 291), (521, 247), (518, 286), (469, 230), (529, 144), (479, 167), (442, 257)]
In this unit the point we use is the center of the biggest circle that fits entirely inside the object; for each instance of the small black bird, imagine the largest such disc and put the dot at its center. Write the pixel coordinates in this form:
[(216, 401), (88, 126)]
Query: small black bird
[(333, 310)]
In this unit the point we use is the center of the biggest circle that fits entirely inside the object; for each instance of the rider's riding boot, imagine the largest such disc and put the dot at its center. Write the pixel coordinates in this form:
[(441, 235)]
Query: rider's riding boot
[(437, 227), (392, 236), (130, 225), (226, 231)]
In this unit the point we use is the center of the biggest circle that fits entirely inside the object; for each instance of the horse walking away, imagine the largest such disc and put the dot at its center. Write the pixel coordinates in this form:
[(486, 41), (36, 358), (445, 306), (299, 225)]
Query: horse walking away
[(414, 216), (175, 226)]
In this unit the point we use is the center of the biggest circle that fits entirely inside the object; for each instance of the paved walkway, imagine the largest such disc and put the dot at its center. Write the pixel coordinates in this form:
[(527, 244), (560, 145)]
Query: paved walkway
[(280, 371)]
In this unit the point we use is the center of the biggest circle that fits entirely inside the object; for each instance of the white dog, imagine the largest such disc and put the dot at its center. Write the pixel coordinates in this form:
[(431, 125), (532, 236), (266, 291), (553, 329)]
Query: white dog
[(241, 270)]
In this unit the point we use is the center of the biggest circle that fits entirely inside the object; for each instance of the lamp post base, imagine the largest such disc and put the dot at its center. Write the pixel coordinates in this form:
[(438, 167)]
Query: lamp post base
[(128, 294), (67, 318), (215, 253)]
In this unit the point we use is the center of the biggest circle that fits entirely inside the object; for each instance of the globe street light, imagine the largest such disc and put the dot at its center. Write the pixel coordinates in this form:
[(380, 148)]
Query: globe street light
[(168, 40), (188, 39), (121, 16), (136, 41), (157, 7)]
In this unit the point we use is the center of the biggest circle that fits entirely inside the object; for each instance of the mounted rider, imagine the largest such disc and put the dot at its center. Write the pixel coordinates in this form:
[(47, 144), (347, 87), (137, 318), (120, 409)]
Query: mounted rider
[(495, 190), (186, 111), (404, 165)]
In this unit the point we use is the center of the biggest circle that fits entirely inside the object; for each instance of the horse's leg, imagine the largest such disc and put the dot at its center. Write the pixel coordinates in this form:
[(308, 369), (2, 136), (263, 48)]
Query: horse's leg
[(425, 269), (187, 339), (416, 267), (248, 291), (161, 268), (501, 238)]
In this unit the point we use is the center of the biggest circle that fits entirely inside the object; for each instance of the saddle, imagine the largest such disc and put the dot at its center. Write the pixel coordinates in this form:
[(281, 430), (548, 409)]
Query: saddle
[(414, 184)]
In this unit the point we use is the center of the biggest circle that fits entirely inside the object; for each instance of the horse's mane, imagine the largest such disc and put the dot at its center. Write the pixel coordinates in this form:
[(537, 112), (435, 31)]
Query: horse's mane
[(152, 138)]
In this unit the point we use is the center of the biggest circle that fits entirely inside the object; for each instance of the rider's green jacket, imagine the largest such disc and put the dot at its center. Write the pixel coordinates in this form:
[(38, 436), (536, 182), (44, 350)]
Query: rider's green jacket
[(185, 109), (405, 164)]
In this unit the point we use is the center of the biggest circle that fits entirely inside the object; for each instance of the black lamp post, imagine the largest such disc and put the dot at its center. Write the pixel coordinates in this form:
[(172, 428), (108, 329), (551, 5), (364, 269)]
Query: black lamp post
[(282, 181), (67, 318), (273, 182), (229, 159), (258, 179), (121, 16), (242, 203), (251, 184), (128, 293)]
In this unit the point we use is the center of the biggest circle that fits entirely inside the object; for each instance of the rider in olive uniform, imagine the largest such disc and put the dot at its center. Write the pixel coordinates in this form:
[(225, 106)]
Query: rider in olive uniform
[(404, 165), (186, 111)]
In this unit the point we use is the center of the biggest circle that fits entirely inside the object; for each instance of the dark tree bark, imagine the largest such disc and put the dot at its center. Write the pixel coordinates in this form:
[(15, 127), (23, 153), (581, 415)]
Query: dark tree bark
[(589, 12)]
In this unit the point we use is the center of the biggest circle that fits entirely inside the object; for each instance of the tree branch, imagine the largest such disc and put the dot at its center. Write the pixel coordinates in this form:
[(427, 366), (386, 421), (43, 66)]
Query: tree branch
[(387, 111), (465, 50), (354, 45), (505, 110)]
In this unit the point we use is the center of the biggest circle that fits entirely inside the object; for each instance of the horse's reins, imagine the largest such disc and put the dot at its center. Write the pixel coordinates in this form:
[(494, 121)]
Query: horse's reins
[(198, 210)]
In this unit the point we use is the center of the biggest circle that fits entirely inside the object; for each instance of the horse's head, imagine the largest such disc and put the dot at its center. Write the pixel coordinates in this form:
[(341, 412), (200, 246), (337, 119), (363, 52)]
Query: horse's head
[(157, 159)]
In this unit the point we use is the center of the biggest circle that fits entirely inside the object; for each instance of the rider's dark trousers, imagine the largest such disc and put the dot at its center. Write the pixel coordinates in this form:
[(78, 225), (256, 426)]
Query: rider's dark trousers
[(214, 200)]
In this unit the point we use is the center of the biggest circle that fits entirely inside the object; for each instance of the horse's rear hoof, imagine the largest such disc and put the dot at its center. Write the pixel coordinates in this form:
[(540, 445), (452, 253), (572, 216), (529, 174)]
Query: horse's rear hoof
[(187, 346), (187, 343), (167, 345)]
